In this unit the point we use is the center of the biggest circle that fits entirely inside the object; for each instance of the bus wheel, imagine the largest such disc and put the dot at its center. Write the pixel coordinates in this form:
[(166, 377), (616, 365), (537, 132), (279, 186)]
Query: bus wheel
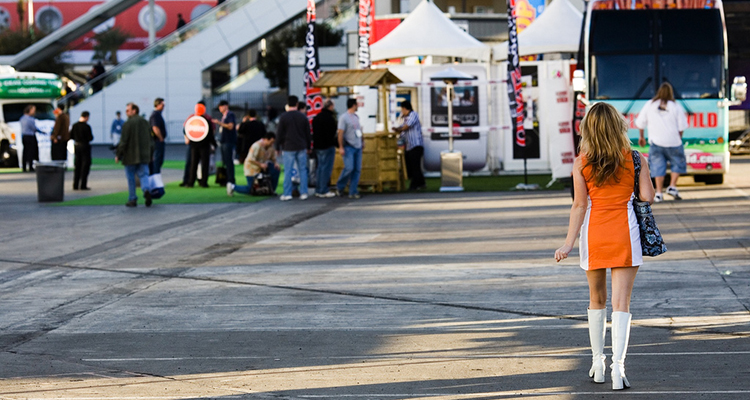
[(713, 179)]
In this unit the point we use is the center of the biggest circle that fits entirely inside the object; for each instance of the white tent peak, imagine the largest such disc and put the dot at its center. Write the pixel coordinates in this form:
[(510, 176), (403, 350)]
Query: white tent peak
[(557, 30), (428, 32)]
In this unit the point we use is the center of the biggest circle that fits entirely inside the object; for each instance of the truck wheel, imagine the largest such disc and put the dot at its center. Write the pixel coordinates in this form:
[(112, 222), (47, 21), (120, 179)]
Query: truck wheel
[(712, 179)]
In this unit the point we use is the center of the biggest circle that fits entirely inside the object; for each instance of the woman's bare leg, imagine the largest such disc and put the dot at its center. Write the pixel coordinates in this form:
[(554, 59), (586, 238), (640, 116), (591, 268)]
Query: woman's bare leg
[(622, 287)]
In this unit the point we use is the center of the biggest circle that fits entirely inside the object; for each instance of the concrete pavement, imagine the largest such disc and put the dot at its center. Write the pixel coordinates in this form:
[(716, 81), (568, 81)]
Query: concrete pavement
[(402, 296)]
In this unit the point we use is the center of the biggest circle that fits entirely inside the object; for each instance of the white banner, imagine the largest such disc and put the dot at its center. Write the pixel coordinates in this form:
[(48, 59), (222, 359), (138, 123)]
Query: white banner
[(559, 116)]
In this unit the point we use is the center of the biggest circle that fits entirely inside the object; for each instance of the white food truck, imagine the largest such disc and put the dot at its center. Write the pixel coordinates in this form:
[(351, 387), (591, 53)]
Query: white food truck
[(17, 90)]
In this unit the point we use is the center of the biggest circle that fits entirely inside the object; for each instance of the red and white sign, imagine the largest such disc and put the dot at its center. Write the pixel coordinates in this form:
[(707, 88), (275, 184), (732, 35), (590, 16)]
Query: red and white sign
[(196, 128)]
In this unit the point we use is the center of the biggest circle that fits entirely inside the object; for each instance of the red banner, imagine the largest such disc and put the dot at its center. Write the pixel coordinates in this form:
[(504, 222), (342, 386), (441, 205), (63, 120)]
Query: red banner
[(313, 99), (365, 31), (514, 78)]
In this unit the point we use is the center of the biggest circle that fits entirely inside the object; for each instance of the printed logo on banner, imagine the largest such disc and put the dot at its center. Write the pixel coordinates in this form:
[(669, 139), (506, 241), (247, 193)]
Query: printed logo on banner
[(365, 31), (514, 78), (313, 97)]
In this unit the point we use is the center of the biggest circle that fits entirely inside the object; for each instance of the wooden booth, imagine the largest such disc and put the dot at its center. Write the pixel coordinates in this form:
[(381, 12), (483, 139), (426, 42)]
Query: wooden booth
[(383, 165)]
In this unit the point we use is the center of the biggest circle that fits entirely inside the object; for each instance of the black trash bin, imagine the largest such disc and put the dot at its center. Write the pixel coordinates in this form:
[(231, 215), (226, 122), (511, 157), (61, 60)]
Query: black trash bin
[(50, 180)]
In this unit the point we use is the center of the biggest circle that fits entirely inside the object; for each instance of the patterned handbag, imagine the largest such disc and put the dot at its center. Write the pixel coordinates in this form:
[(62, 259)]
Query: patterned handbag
[(652, 244)]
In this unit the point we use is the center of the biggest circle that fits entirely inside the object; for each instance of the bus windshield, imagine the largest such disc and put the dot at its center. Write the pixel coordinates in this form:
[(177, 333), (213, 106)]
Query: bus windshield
[(633, 51)]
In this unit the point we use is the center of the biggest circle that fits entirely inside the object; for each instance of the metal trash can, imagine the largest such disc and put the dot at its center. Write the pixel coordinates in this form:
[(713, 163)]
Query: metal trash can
[(50, 180)]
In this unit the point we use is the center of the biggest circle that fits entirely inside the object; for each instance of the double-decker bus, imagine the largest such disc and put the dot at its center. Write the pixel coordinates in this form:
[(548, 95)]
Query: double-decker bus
[(632, 46)]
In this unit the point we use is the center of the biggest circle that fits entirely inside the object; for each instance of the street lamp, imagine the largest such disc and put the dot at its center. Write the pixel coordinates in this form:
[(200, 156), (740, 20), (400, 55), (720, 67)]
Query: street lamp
[(451, 161)]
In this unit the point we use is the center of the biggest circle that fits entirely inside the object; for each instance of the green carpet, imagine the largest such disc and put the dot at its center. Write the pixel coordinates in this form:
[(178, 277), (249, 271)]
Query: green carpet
[(10, 170), (109, 164), (174, 194)]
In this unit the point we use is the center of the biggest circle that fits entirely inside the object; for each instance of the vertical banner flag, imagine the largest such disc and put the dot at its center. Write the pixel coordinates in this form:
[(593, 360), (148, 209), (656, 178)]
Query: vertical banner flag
[(365, 30), (313, 97), (514, 79)]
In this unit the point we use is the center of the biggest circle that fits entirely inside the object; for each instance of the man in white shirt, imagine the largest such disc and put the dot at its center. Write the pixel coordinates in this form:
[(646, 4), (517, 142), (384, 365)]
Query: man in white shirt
[(665, 121)]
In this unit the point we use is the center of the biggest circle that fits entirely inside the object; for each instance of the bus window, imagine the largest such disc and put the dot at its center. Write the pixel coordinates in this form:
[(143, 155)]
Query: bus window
[(621, 77), (691, 32), (619, 31), (693, 76)]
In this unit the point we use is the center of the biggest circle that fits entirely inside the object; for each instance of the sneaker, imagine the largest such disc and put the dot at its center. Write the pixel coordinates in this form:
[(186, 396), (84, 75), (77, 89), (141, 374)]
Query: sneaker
[(354, 196), (672, 191), (131, 204), (285, 198), (658, 198), (327, 195), (303, 196), (230, 189), (147, 196)]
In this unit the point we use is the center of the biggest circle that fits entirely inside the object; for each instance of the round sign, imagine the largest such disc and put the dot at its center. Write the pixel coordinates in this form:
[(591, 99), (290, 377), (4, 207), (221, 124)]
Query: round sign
[(196, 128)]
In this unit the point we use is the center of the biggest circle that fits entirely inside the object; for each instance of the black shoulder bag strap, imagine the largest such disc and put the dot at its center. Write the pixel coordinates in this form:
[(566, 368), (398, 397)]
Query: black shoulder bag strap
[(637, 168)]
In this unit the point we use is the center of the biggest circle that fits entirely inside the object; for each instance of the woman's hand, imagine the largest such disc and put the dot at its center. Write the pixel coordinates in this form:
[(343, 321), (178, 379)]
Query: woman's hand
[(562, 252)]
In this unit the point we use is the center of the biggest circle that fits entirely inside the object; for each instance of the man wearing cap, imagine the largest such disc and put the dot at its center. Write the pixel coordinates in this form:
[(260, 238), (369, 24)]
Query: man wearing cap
[(411, 132), (227, 138)]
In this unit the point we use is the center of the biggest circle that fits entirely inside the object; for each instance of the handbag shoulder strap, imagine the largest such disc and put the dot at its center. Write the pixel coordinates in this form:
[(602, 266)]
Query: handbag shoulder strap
[(637, 169)]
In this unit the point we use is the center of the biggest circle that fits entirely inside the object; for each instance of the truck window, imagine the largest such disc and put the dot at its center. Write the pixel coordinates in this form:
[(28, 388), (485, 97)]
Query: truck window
[(693, 76), (621, 31), (13, 111), (691, 32), (621, 77)]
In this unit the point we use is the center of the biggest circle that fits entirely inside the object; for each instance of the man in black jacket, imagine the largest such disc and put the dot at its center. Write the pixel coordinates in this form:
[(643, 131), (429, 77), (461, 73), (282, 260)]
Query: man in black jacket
[(293, 136), (250, 131), (82, 136), (324, 143)]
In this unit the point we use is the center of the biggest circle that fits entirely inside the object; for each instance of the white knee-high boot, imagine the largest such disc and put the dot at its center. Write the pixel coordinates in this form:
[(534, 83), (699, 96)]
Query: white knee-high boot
[(620, 338), (597, 332)]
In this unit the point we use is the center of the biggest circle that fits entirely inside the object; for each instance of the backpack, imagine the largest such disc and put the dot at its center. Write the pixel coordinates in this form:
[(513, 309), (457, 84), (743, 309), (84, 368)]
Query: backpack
[(262, 186)]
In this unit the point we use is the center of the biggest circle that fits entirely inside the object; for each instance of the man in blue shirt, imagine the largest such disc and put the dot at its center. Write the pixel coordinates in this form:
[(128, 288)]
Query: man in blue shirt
[(411, 132), (116, 130), (28, 137), (159, 131), (228, 139)]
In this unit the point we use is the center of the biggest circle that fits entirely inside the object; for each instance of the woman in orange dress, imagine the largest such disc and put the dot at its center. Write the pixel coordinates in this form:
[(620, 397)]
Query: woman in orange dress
[(603, 216)]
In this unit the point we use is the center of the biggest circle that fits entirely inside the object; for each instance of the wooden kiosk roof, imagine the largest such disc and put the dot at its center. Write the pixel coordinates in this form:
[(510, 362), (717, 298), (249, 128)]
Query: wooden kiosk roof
[(356, 77)]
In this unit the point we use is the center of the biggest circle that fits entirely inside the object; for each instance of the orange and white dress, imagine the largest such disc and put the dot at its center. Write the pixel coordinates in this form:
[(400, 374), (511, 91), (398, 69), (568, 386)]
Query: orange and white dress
[(610, 236)]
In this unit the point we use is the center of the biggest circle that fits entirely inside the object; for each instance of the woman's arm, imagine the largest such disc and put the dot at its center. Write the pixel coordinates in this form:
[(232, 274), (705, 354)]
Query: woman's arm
[(645, 187), (577, 212)]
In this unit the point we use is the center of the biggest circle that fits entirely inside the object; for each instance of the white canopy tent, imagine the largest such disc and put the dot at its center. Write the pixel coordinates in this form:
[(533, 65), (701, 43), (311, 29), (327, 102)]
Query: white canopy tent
[(557, 30), (428, 32)]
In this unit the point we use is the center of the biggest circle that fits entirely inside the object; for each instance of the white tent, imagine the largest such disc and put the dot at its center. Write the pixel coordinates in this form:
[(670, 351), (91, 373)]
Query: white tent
[(557, 30), (428, 32)]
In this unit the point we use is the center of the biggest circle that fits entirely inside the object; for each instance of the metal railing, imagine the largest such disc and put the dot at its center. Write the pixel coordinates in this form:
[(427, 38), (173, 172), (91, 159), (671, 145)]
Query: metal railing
[(163, 45)]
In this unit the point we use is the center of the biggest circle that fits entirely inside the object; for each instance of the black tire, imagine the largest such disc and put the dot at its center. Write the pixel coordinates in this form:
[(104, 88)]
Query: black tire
[(712, 179)]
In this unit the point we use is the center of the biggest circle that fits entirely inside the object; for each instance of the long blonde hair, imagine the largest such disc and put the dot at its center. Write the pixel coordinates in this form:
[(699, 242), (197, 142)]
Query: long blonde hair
[(603, 141)]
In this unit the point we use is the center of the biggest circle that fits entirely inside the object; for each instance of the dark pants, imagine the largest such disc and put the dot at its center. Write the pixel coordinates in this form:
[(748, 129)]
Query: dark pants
[(227, 157), (414, 167), (154, 166), (188, 165), (82, 165), (59, 151), (30, 151), (199, 155), (243, 146)]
